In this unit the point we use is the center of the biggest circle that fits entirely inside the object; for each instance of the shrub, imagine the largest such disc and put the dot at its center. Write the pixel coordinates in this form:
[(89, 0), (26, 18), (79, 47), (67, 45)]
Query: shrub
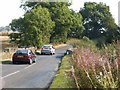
[(85, 42)]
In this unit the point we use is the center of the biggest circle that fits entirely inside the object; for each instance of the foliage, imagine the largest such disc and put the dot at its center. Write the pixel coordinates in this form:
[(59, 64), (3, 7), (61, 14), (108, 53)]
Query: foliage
[(67, 22), (63, 20), (97, 69), (98, 22), (34, 29), (46, 22), (77, 28), (85, 42), (91, 69), (55, 23)]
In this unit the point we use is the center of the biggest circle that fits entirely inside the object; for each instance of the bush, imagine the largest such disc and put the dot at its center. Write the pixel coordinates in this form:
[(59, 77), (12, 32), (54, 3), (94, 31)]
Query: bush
[(85, 43)]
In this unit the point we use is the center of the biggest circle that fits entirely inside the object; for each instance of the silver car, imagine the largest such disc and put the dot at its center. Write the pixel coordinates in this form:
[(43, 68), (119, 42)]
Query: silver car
[(48, 49)]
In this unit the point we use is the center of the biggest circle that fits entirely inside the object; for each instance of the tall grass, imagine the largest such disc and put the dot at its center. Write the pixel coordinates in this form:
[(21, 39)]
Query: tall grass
[(97, 69), (85, 43), (7, 55)]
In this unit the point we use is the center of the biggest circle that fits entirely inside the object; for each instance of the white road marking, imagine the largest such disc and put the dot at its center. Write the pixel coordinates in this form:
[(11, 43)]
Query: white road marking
[(17, 71), (10, 74), (29, 66)]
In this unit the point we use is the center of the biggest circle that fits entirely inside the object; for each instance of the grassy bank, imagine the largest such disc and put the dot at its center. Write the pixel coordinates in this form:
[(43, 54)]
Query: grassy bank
[(64, 78), (6, 57), (7, 50), (93, 67), (96, 67)]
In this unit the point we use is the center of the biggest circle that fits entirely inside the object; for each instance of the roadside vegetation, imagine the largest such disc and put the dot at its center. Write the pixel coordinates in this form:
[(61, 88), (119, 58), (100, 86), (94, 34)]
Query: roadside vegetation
[(6, 48), (55, 22), (91, 67), (64, 77), (97, 69), (96, 60)]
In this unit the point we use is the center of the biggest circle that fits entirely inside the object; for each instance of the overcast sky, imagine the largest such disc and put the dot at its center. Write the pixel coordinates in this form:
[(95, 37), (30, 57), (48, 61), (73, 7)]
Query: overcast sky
[(9, 9)]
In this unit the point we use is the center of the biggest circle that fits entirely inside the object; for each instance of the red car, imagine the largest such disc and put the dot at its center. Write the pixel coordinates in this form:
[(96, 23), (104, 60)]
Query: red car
[(23, 55)]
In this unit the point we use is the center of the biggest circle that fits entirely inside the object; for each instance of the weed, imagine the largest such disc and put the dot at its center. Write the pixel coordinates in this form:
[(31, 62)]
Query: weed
[(100, 70)]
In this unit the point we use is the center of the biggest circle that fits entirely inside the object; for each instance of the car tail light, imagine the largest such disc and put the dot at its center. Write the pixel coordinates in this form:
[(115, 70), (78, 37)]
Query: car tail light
[(27, 56)]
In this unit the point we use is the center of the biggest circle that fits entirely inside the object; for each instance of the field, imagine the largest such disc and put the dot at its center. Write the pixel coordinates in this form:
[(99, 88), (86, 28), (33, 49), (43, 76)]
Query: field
[(6, 48), (5, 42)]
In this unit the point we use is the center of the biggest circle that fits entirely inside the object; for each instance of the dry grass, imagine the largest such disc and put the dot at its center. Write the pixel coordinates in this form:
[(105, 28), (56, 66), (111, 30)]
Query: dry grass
[(3, 38), (60, 45), (6, 55), (6, 44)]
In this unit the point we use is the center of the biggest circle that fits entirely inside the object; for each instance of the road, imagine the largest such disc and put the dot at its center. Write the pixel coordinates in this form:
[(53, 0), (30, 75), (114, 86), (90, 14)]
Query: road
[(37, 75)]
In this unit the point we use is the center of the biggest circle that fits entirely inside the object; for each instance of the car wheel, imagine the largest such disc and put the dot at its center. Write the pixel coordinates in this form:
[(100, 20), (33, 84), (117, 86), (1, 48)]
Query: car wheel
[(42, 53), (30, 62), (51, 53), (34, 60), (14, 62)]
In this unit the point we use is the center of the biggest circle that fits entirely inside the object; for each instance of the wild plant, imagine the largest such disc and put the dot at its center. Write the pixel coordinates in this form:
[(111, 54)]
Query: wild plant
[(102, 71)]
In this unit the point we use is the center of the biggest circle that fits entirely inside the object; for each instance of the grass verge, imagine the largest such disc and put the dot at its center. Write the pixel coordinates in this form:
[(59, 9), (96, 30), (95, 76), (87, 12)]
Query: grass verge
[(64, 78), (6, 57), (6, 61)]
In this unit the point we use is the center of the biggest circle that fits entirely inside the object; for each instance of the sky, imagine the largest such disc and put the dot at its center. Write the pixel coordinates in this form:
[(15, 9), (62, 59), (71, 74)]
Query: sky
[(10, 9)]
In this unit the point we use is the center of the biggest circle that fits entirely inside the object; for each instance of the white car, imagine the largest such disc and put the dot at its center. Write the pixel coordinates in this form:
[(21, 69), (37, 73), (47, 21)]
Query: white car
[(48, 49)]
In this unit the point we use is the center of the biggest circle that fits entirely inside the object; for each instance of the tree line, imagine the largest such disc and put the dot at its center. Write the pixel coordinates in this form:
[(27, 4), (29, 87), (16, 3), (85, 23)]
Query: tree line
[(55, 22)]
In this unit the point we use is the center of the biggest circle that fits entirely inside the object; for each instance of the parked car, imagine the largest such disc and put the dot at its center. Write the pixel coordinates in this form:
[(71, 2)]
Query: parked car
[(23, 56), (38, 51), (48, 49)]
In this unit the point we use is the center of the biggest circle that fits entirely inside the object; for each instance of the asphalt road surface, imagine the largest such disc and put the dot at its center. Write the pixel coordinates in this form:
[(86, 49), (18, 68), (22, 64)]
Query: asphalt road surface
[(37, 75)]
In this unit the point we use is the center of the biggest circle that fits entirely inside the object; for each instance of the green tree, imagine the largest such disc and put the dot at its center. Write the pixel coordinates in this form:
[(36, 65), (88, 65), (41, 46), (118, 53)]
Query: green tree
[(67, 22), (98, 21), (34, 28), (77, 28), (62, 16)]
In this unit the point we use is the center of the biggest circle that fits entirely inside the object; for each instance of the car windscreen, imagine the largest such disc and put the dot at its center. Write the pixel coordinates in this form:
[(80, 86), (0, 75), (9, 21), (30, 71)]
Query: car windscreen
[(22, 52), (46, 46)]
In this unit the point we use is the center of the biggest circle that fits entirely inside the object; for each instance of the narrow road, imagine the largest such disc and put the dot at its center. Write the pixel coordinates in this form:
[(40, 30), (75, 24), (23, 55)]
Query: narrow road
[(37, 75)]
